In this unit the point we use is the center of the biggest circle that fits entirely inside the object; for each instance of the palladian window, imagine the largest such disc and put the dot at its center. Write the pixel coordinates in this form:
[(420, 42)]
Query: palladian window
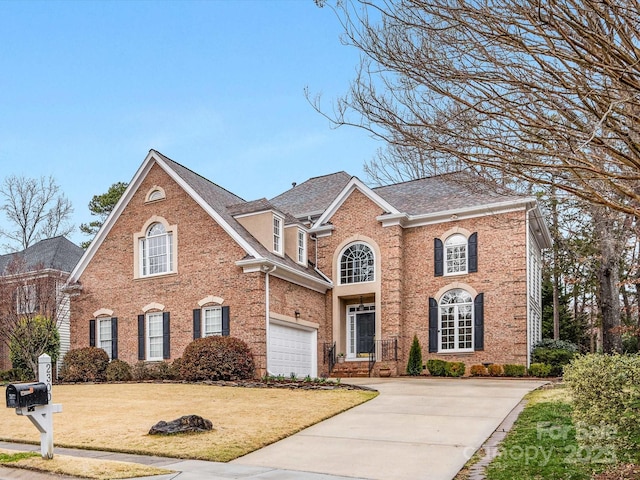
[(357, 264)]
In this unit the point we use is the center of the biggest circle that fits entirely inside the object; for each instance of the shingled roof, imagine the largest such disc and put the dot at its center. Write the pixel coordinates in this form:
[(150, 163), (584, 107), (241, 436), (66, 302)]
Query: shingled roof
[(56, 253)]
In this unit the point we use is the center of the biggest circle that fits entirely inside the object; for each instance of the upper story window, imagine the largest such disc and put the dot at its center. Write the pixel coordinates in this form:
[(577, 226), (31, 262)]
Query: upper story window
[(277, 234), (26, 299), (155, 194), (156, 251), (357, 264), (302, 247), (456, 254)]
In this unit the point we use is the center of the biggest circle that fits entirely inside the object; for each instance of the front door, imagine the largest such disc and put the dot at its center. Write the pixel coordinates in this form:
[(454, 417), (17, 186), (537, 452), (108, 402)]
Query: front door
[(365, 332)]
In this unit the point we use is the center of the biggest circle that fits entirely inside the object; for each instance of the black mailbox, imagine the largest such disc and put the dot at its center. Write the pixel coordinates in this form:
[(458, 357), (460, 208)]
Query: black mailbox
[(25, 395)]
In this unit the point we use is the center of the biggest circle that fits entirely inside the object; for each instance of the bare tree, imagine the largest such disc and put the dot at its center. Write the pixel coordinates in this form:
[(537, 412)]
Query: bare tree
[(35, 209), (29, 310), (544, 91)]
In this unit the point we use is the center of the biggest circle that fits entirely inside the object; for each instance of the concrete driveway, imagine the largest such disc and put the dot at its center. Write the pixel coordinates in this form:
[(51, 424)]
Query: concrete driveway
[(416, 428)]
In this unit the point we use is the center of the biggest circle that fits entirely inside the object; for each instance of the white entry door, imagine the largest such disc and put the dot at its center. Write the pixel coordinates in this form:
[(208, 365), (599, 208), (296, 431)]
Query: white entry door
[(292, 349)]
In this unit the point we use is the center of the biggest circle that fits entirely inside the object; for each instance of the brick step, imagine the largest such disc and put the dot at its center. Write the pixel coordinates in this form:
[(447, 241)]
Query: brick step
[(351, 369)]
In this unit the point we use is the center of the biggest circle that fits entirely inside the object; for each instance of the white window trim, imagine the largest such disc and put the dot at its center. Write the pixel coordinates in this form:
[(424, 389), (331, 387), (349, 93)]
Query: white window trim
[(148, 336), (98, 335), (352, 321), (203, 329), (302, 249), (456, 329), (161, 195), (278, 235), (447, 273), (140, 236), (373, 253)]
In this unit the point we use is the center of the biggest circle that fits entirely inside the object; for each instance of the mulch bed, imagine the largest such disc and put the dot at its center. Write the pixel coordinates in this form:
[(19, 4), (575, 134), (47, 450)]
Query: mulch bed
[(620, 472)]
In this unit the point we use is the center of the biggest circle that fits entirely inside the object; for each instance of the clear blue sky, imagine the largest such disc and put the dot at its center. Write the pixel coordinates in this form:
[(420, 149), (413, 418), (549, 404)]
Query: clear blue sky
[(88, 87)]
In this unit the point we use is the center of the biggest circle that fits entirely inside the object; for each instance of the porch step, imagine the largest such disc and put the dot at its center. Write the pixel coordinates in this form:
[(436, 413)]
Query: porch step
[(350, 370)]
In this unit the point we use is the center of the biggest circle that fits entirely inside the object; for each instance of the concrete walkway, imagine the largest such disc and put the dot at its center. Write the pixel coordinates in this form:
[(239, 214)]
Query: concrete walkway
[(422, 428)]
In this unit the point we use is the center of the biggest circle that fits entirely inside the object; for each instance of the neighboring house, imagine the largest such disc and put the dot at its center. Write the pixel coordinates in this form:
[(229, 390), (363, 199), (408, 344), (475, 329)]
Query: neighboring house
[(330, 266), (35, 277)]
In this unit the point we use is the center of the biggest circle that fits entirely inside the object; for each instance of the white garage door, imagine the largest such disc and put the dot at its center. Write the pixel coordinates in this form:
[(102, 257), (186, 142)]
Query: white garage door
[(292, 350)]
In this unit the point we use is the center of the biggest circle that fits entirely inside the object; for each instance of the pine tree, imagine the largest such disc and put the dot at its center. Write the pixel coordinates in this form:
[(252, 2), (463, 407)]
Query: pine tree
[(414, 366)]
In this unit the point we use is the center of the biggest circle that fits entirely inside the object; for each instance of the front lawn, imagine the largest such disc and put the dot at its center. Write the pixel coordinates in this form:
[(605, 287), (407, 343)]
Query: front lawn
[(117, 417)]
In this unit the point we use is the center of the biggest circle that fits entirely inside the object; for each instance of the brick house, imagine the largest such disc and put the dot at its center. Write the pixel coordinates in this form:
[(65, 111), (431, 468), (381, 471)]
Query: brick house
[(330, 266), (32, 282)]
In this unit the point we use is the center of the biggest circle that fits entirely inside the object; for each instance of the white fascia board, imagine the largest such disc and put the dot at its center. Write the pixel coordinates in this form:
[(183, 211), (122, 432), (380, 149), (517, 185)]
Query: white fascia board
[(408, 221), (207, 208), (111, 219), (284, 272), (322, 230), (541, 229), (354, 184)]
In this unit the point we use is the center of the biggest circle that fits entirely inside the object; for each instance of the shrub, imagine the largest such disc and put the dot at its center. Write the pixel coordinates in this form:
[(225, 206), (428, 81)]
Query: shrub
[(174, 369), (541, 370), (118, 371), (31, 338), (605, 394), (140, 372), (16, 375), (514, 370), (495, 370), (556, 353), (436, 367), (414, 365), (478, 370), (217, 358), (88, 364), (454, 369)]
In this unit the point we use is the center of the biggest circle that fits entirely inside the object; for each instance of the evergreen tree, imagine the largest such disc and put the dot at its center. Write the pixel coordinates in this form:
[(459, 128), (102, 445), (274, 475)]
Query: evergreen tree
[(414, 366)]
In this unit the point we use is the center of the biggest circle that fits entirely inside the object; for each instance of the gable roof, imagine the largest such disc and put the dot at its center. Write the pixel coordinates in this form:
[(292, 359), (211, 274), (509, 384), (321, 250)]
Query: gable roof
[(55, 253), (217, 202)]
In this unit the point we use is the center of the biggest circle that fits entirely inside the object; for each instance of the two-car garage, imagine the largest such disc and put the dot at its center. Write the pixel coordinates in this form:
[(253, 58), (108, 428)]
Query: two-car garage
[(292, 349)]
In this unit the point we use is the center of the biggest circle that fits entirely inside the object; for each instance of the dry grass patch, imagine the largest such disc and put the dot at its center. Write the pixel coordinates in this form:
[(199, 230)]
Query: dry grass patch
[(82, 467), (117, 417)]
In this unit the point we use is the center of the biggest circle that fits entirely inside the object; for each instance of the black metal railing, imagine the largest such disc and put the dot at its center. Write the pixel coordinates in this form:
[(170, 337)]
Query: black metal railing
[(383, 350), (330, 355)]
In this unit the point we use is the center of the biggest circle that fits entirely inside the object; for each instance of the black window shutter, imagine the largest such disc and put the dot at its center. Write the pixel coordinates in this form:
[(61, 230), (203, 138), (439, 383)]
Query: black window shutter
[(141, 341), (92, 333), (197, 333), (472, 245), (225, 321), (166, 336), (433, 325), (478, 322), (438, 250), (114, 338)]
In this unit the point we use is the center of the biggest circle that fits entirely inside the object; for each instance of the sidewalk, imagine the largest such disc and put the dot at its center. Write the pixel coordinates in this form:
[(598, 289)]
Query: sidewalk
[(422, 428)]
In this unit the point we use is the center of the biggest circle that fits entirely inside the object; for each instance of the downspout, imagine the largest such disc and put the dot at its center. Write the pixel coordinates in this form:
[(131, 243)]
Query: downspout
[(528, 282), (267, 271)]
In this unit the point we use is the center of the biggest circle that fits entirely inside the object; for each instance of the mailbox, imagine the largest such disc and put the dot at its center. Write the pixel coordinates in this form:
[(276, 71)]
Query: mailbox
[(25, 395)]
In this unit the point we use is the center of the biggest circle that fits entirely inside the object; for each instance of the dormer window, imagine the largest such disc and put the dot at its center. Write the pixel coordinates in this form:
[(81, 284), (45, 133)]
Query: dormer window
[(302, 247), (277, 234)]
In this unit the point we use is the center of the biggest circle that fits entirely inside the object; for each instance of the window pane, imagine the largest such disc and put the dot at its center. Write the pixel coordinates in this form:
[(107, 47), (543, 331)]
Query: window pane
[(456, 321), (357, 264), (456, 254), (212, 321), (157, 251), (154, 329), (104, 335)]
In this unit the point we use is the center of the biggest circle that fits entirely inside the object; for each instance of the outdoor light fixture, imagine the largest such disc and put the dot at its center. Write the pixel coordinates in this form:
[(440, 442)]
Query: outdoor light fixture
[(361, 306), (297, 313)]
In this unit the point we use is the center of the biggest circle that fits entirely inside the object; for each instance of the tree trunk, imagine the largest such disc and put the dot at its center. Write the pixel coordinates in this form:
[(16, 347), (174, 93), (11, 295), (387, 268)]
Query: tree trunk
[(608, 289)]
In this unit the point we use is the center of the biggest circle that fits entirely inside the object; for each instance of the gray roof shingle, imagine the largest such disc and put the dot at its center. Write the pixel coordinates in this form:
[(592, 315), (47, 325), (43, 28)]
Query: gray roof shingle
[(56, 253)]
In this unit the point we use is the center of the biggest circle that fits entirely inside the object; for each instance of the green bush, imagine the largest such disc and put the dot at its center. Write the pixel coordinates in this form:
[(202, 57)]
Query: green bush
[(541, 370), (16, 375), (606, 401), (88, 364), (478, 371), (32, 337), (118, 371), (414, 365), (556, 353), (495, 370), (511, 370), (454, 369), (217, 358), (437, 368)]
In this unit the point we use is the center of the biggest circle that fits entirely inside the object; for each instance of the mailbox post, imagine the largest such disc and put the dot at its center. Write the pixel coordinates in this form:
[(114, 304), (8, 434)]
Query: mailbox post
[(33, 400)]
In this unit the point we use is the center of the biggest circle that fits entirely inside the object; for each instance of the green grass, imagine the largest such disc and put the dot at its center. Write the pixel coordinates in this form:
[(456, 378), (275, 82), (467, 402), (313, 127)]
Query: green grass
[(542, 444), (15, 457)]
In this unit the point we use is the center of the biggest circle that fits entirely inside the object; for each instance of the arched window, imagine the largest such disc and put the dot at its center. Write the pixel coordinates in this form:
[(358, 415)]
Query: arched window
[(156, 250), (456, 254), (456, 321), (357, 264)]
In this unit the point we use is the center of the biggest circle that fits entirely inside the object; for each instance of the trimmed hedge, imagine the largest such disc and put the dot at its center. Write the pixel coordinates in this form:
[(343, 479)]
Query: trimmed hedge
[(511, 370), (118, 371), (217, 358), (437, 367), (454, 369), (541, 370), (606, 401), (88, 364), (478, 371), (556, 353), (495, 370)]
